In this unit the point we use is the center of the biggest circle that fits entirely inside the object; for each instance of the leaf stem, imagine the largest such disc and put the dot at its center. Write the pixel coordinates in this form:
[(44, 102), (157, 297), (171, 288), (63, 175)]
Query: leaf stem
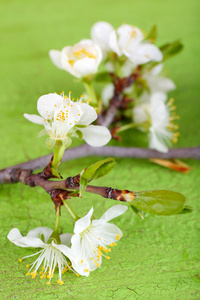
[(72, 213)]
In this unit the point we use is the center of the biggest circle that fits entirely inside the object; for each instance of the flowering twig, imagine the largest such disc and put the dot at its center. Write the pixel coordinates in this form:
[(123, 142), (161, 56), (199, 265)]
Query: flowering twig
[(119, 85), (115, 151)]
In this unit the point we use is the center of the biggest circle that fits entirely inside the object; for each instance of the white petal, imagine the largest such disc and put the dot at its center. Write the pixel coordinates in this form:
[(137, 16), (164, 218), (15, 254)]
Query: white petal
[(96, 136), (34, 119), (40, 230), (55, 56), (76, 245), (83, 223), (24, 241), (157, 98), (113, 43), (157, 144), (64, 249), (144, 53), (100, 33), (84, 67), (156, 70), (66, 239), (161, 84), (107, 93), (83, 250), (47, 104), (89, 114), (113, 212), (108, 232)]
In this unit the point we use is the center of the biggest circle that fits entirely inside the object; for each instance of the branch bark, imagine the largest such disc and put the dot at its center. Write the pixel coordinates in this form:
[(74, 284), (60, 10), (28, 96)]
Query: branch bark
[(113, 151)]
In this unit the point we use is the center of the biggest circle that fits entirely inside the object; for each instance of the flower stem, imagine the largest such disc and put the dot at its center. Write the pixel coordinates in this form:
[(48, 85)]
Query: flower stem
[(90, 92), (59, 150), (57, 224), (126, 127), (72, 213)]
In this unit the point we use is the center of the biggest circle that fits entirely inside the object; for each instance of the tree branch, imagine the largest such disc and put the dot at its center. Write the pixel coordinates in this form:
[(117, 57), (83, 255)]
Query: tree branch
[(112, 151)]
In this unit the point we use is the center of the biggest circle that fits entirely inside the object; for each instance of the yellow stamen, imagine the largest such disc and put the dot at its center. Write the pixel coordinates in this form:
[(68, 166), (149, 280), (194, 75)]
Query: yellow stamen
[(20, 260)]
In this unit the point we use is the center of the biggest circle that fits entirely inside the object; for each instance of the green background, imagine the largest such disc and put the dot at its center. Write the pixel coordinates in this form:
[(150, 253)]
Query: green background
[(158, 258)]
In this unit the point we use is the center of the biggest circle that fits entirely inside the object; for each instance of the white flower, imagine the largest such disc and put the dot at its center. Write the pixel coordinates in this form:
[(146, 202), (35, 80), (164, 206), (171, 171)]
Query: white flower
[(80, 60), (128, 40), (158, 83), (107, 93), (100, 34), (62, 117), (91, 237), (51, 256), (160, 115)]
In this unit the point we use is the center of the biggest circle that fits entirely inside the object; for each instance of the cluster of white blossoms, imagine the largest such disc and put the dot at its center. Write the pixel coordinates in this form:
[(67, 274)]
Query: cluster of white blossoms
[(127, 40), (155, 115), (81, 252), (122, 50), (63, 118), (83, 59)]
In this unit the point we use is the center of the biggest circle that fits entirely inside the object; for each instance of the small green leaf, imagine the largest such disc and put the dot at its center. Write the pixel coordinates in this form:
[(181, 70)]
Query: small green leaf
[(171, 49), (152, 34), (83, 184), (137, 211), (95, 171), (159, 202), (186, 210), (103, 77)]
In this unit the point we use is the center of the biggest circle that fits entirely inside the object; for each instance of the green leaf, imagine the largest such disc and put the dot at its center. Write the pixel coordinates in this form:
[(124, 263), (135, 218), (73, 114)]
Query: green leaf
[(159, 202), (103, 77), (95, 171), (137, 211), (171, 49), (186, 210), (152, 34)]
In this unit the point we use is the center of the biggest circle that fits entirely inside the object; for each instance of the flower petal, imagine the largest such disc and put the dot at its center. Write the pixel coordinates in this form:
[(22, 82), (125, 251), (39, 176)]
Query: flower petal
[(40, 230), (109, 233), (144, 53), (95, 135), (84, 67), (24, 241), (55, 56), (47, 105), (89, 114), (100, 33), (114, 212), (83, 223), (156, 143), (107, 93), (34, 119), (66, 239)]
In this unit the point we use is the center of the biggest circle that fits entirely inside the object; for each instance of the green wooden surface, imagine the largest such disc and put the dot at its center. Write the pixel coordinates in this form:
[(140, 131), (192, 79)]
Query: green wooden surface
[(158, 258)]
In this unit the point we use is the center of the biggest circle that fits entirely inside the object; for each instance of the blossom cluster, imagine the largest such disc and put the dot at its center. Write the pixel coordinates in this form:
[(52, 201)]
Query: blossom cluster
[(136, 92), (81, 252), (124, 51)]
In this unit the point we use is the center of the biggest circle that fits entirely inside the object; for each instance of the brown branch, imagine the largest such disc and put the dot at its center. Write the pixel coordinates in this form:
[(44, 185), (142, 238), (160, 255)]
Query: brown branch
[(64, 189), (113, 151), (119, 85)]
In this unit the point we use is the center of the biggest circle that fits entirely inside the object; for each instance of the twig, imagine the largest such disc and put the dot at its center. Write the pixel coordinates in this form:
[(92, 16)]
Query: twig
[(113, 151), (119, 85), (64, 189)]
